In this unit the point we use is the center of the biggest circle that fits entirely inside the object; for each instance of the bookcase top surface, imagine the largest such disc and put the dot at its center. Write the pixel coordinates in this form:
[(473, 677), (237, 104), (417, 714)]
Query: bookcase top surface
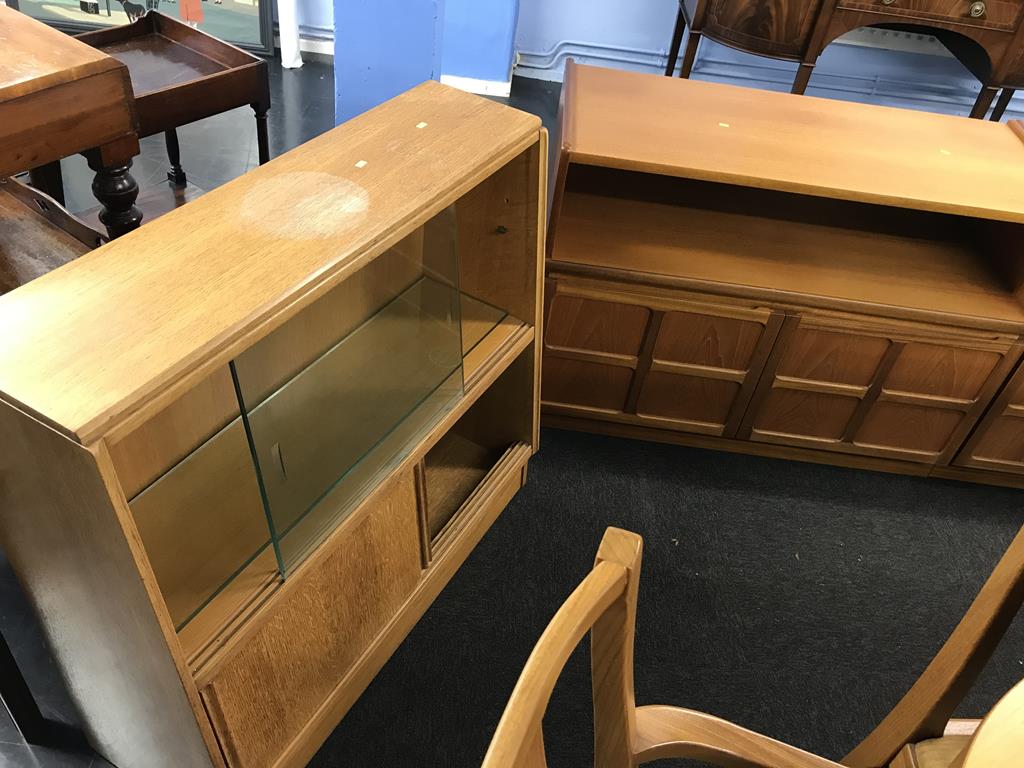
[(821, 147), (87, 344)]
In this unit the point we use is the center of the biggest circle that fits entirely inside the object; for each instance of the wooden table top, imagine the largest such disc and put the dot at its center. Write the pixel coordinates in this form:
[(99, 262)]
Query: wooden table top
[(793, 143), (36, 57), (87, 344)]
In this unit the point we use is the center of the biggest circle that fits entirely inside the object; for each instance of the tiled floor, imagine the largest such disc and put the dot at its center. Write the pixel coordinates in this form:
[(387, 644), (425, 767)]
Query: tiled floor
[(214, 151)]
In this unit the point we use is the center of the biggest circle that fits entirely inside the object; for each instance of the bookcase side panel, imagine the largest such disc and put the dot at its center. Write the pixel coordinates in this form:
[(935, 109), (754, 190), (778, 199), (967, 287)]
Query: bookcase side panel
[(64, 537)]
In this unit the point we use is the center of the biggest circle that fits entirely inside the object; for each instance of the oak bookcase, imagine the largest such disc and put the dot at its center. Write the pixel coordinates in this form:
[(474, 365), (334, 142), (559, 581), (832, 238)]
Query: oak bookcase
[(785, 275), (246, 446)]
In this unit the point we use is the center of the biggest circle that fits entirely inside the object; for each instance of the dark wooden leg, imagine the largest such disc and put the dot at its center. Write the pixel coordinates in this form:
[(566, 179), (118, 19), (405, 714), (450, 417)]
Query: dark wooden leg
[(981, 106), (176, 175), (18, 698), (803, 76), (692, 43), (47, 178), (115, 188), (262, 140), (1002, 103), (677, 39)]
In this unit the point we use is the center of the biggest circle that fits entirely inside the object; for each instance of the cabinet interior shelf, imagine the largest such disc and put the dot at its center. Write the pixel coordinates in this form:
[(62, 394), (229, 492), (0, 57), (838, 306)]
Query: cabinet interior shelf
[(721, 235)]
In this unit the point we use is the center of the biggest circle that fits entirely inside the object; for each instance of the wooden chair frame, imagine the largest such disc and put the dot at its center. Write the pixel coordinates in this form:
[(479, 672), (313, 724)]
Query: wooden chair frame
[(625, 735)]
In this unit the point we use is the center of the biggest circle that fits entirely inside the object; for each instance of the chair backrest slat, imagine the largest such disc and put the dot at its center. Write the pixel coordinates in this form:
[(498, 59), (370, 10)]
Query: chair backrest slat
[(520, 725)]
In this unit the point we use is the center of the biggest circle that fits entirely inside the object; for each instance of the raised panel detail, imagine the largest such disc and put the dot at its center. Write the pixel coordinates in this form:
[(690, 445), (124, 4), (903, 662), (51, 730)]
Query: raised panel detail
[(1000, 445), (687, 398), (722, 342), (855, 385), (841, 358), (998, 442), (779, 27), (805, 414), (598, 326), (322, 622), (908, 427), (594, 385), (931, 369)]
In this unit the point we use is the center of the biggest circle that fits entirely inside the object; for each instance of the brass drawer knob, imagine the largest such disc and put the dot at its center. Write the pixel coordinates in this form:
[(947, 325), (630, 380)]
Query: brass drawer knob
[(977, 10)]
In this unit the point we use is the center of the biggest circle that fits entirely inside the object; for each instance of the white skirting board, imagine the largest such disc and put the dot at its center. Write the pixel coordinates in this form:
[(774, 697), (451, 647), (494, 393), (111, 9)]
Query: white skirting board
[(476, 85)]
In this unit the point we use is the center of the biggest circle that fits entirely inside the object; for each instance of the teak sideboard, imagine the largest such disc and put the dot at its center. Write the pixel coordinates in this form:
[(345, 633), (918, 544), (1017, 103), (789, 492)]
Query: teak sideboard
[(245, 446), (987, 36), (755, 271)]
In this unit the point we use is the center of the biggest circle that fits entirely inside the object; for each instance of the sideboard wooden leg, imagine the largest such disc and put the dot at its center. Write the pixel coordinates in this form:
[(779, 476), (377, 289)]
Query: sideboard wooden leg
[(117, 190), (803, 76), (984, 101), (692, 43), (677, 39), (1002, 103)]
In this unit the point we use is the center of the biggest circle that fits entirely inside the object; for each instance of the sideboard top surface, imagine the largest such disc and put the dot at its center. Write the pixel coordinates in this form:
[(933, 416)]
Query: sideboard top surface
[(821, 147), (85, 346), (36, 56)]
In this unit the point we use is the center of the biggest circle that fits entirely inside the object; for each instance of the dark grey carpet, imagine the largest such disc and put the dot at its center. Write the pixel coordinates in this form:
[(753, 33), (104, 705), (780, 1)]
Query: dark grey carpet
[(795, 599)]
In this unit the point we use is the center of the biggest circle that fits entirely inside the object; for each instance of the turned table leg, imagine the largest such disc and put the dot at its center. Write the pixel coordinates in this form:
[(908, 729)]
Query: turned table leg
[(677, 39), (1002, 103), (984, 101), (17, 698), (116, 190), (176, 174), (262, 139)]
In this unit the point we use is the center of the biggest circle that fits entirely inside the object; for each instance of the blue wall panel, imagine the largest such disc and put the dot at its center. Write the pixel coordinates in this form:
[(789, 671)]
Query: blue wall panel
[(479, 38), (382, 48)]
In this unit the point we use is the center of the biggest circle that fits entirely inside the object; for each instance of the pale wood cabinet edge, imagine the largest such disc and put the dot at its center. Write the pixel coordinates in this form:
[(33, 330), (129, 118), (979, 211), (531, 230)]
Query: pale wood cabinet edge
[(157, 393)]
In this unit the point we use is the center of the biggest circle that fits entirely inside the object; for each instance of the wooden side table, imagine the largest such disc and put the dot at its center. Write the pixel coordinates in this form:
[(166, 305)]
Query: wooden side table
[(180, 75), (987, 36), (59, 97)]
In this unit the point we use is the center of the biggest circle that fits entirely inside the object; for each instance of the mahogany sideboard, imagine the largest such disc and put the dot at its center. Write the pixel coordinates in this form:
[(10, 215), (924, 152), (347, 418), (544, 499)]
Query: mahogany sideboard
[(754, 271), (247, 445), (986, 35)]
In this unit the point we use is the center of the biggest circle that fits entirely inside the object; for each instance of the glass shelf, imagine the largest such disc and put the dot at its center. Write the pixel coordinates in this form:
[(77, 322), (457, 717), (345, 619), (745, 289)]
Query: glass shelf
[(325, 437)]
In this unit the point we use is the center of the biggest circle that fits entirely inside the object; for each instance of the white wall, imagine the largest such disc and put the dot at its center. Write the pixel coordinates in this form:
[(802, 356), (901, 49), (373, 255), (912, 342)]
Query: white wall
[(633, 35)]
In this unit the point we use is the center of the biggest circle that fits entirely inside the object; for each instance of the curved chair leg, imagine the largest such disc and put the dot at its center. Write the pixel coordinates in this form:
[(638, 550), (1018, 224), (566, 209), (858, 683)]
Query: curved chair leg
[(677, 39), (1002, 103)]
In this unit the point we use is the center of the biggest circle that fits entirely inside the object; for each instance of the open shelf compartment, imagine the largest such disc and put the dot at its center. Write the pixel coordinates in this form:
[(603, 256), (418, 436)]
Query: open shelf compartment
[(726, 238)]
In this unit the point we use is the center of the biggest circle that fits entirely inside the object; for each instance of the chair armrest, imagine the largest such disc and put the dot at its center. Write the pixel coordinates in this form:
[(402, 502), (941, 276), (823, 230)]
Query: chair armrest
[(666, 732)]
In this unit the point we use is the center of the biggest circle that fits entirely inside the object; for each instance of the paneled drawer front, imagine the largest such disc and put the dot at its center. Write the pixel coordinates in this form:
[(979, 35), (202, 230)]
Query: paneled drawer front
[(777, 27), (316, 629), (989, 14), (659, 360), (863, 386), (998, 442)]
